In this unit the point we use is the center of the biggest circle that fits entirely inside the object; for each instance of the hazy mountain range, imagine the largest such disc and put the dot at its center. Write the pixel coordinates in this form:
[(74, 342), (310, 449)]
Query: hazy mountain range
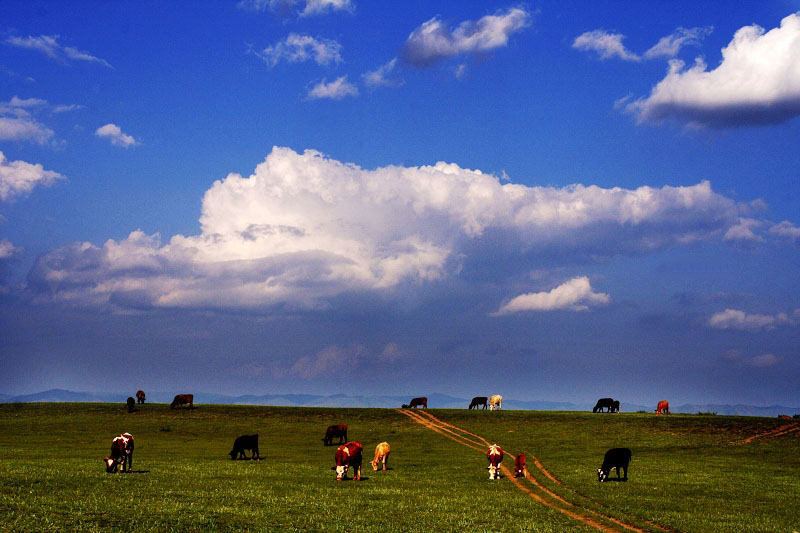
[(341, 400)]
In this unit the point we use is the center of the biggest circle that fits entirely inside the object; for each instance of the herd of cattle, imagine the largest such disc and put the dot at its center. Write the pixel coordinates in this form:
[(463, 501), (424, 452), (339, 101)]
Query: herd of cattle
[(349, 453)]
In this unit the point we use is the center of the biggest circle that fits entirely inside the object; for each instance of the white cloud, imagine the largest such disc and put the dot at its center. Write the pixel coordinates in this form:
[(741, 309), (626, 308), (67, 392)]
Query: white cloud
[(304, 228), (24, 129), (380, 77), (757, 83), (297, 48), (573, 295), (786, 229), (18, 178), (8, 250), (335, 90), (309, 7), (739, 320), (434, 41), (744, 233), (670, 45), (114, 134), (764, 360), (49, 46), (606, 44)]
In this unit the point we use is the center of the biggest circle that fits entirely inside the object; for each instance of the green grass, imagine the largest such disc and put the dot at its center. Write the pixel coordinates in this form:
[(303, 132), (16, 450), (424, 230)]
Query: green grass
[(685, 472)]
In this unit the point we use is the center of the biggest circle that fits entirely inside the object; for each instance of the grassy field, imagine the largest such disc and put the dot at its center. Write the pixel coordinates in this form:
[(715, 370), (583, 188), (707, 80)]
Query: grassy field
[(689, 472)]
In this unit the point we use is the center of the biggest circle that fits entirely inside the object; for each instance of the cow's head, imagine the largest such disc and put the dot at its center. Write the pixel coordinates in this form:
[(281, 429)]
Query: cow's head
[(601, 475), (341, 471), (111, 464), (494, 472)]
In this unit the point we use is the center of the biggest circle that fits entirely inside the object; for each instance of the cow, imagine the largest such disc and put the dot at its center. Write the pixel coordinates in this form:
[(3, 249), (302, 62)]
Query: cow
[(339, 430), (785, 416), (520, 466), (131, 403), (348, 455), (495, 456), (121, 454), (422, 401), (182, 399), (615, 406), (245, 442), (662, 408), (479, 401), (140, 396), (382, 451), (603, 403), (495, 402), (615, 458)]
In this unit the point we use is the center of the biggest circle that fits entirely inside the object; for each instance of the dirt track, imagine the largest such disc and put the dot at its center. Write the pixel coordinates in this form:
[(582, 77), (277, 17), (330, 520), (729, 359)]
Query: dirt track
[(569, 505), (777, 432)]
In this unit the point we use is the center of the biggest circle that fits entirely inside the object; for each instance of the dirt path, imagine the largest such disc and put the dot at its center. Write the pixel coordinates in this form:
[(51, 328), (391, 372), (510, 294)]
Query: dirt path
[(777, 432), (533, 488)]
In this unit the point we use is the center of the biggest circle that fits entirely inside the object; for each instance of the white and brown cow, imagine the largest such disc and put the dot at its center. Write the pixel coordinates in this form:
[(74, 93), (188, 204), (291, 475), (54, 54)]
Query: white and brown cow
[(348, 455), (121, 454), (495, 402), (495, 456), (382, 451)]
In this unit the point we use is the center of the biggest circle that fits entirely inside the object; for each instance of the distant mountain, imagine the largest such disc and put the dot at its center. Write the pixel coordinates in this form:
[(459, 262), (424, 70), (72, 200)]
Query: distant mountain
[(441, 401)]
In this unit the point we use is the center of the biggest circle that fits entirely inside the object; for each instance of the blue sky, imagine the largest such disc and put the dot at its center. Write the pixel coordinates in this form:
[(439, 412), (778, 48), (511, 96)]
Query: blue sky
[(553, 200)]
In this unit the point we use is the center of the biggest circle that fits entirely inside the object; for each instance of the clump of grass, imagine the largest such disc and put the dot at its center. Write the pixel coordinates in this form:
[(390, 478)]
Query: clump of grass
[(165, 429), (707, 413)]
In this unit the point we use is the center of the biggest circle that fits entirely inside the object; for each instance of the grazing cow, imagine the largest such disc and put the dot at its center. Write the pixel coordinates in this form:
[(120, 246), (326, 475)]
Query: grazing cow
[(615, 458), (520, 466), (419, 402), (131, 403), (479, 401), (495, 402), (348, 455), (339, 430), (662, 408), (495, 456), (182, 399), (603, 403), (121, 454), (382, 451), (785, 416), (140, 396), (615, 406), (245, 442)]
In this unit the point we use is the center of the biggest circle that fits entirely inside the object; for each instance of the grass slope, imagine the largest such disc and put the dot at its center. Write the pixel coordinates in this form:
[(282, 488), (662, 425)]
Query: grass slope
[(685, 473)]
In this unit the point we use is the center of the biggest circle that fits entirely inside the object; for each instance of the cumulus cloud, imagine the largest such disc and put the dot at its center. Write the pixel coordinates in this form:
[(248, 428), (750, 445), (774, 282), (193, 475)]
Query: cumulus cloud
[(297, 48), (757, 83), (433, 41), (381, 76), (49, 46), (745, 232), (17, 122), (309, 7), (335, 90), (786, 229), (739, 320), (606, 44), (114, 134), (8, 250), (670, 45), (18, 178), (304, 228), (573, 295)]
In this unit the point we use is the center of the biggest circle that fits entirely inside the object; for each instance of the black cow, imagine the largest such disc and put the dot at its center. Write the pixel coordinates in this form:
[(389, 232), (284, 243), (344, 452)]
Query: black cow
[(478, 401), (245, 442), (131, 404), (604, 403), (615, 458), (332, 432), (615, 406)]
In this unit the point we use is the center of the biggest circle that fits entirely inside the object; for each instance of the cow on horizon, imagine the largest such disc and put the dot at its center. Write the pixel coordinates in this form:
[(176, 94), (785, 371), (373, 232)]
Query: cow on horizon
[(495, 402), (662, 408), (479, 401), (604, 403), (140, 396), (182, 399), (422, 402)]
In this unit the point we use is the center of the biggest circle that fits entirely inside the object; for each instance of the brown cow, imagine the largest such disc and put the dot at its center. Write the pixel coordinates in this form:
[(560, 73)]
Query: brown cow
[(520, 466), (348, 455), (662, 408), (140, 396), (332, 432), (131, 403), (495, 456), (182, 399), (121, 454), (382, 451), (422, 401)]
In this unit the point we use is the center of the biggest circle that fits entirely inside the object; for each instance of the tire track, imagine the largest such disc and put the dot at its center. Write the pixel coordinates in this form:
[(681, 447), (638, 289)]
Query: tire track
[(537, 492), (777, 432)]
